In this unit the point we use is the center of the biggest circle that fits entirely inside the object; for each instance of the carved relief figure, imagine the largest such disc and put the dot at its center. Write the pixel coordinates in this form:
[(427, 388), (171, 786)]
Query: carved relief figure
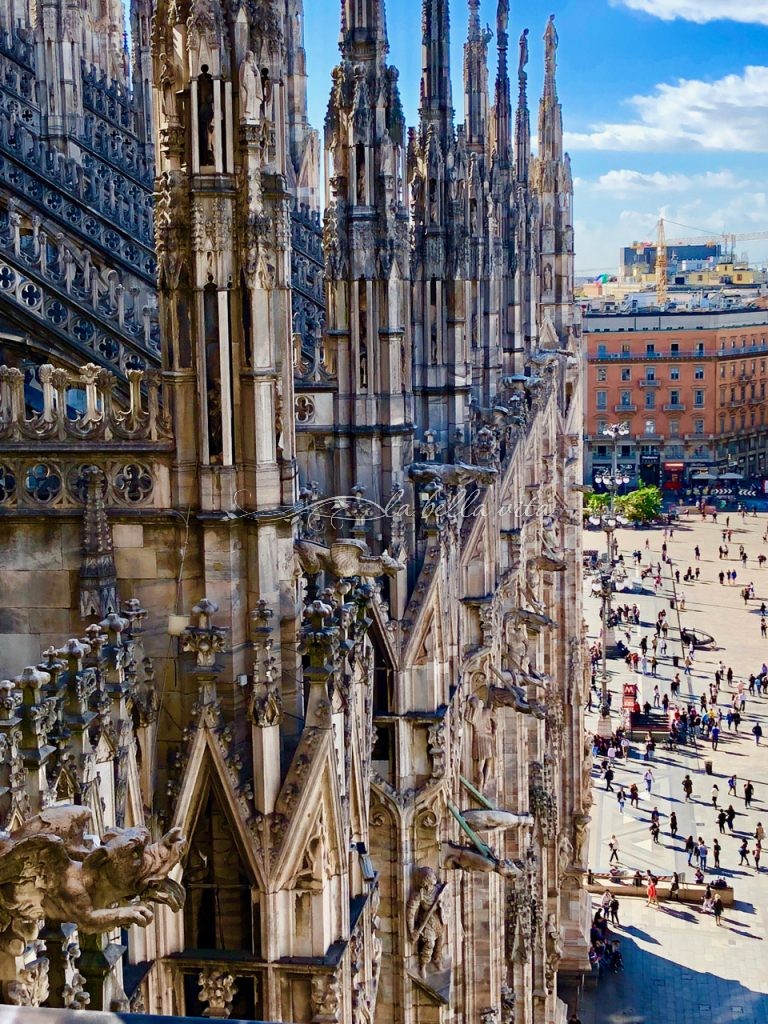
[(425, 918), (483, 722)]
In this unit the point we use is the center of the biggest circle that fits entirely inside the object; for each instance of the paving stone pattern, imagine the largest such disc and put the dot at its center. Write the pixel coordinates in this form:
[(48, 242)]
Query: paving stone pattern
[(678, 965)]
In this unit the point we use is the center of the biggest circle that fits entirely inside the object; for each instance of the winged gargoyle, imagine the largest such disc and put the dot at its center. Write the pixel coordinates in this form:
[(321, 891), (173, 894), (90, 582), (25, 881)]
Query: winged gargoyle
[(345, 558), (50, 870)]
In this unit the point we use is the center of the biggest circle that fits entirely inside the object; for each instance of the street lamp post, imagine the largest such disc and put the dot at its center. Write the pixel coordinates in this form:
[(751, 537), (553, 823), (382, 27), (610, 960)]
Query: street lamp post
[(610, 575)]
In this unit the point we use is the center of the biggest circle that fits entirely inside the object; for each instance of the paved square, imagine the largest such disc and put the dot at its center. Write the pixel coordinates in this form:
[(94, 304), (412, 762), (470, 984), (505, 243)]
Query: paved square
[(678, 966)]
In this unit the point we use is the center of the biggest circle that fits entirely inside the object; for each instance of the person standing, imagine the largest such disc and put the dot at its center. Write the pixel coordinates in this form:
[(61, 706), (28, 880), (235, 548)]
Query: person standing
[(744, 853), (634, 796), (690, 846), (649, 780), (730, 816), (620, 798), (653, 899), (703, 854), (721, 819), (715, 735), (760, 832), (717, 909), (757, 732), (749, 792), (673, 824), (756, 854), (614, 911), (716, 848), (687, 787), (732, 786), (715, 795)]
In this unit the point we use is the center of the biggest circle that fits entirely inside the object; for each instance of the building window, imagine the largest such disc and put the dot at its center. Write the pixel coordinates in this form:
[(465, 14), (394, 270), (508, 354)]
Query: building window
[(602, 399), (674, 428), (674, 373), (733, 394), (733, 369), (650, 349), (601, 351), (602, 373), (650, 426), (698, 397), (650, 400), (626, 398), (626, 373), (698, 373), (626, 451), (733, 422), (762, 389), (650, 373), (722, 371), (743, 420), (698, 426), (674, 397), (625, 350), (722, 424), (699, 349), (602, 449)]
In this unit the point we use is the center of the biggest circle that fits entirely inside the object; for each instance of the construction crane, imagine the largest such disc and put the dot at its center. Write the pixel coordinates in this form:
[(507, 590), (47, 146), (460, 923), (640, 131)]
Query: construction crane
[(664, 244)]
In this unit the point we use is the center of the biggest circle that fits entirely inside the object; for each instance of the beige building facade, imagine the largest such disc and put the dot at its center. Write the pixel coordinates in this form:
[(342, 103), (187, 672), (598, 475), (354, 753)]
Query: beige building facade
[(291, 521)]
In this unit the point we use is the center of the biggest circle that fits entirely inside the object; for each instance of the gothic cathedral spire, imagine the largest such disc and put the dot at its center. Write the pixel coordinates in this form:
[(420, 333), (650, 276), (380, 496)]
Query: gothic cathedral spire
[(436, 104)]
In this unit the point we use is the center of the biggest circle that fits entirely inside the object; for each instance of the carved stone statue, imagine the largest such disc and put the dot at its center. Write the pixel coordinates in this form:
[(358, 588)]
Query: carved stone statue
[(345, 558), (523, 62), (457, 475), (511, 694), (426, 924), (550, 46), (387, 155), (481, 717), (251, 92), (50, 871), (580, 836)]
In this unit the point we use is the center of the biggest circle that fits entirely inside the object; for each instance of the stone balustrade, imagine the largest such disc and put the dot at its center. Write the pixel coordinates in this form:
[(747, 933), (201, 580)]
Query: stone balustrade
[(81, 406)]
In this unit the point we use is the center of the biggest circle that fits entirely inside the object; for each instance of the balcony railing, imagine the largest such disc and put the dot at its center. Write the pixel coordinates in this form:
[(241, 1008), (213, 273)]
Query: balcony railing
[(648, 382), (625, 407), (674, 407), (647, 357)]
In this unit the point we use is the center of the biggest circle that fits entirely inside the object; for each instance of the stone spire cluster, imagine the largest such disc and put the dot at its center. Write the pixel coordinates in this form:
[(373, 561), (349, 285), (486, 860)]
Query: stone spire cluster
[(334, 462)]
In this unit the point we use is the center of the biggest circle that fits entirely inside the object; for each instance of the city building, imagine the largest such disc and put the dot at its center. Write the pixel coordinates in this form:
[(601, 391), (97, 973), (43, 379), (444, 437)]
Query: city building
[(692, 387), (291, 518)]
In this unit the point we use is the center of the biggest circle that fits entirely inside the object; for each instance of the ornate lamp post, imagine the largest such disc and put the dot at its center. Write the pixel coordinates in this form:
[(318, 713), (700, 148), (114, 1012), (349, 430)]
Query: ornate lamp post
[(606, 578)]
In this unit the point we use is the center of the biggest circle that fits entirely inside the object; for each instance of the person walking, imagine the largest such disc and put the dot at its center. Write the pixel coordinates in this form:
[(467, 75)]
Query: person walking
[(715, 795), (613, 846), (716, 848), (653, 899), (730, 816), (721, 819), (608, 776), (760, 832), (732, 786), (649, 780), (620, 798), (687, 787), (757, 732), (749, 792), (715, 736), (756, 854), (634, 796), (717, 909), (744, 853), (673, 824)]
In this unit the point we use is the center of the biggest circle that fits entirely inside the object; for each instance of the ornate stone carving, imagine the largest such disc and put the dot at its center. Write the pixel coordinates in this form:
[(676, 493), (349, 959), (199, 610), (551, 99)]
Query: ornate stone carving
[(344, 559), (31, 985), (425, 919), (543, 800), (98, 575), (326, 999), (218, 989), (50, 871)]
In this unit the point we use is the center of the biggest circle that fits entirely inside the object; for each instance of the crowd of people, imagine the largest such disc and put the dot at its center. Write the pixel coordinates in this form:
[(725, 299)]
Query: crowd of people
[(726, 703)]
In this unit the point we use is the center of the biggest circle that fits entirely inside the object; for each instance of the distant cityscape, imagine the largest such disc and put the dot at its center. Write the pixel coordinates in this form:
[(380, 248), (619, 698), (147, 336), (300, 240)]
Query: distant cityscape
[(677, 349)]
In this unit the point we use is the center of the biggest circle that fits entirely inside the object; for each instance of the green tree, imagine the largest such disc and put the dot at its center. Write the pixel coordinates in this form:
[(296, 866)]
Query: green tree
[(594, 504), (640, 506)]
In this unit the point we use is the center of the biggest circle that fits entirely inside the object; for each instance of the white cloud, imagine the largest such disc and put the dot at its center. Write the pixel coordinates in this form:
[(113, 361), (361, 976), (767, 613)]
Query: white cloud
[(751, 12), (624, 182), (729, 114)]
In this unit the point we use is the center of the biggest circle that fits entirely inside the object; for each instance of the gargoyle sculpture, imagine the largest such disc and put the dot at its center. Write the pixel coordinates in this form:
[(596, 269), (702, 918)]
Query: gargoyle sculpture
[(464, 858), (50, 870), (345, 558), (511, 695), (456, 475)]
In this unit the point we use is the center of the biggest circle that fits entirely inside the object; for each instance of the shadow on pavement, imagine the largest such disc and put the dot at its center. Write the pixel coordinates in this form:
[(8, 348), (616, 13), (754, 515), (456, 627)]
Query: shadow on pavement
[(652, 988), (632, 929)]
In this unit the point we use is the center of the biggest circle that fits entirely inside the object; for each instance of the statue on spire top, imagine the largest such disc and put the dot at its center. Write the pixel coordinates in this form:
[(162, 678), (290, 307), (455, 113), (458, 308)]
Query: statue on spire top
[(550, 47)]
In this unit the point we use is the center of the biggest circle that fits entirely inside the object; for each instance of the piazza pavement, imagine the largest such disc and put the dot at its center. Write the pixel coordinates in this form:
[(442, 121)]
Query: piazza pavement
[(678, 966)]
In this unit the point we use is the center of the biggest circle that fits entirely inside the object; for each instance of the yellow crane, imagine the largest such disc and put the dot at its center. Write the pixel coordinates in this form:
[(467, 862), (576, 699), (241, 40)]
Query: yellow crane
[(728, 241)]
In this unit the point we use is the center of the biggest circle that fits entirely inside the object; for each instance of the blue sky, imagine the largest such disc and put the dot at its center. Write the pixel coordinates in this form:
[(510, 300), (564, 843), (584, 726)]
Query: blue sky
[(665, 104)]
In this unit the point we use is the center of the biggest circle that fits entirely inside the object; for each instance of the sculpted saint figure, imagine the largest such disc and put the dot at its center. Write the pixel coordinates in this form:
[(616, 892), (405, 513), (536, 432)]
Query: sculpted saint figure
[(251, 93)]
